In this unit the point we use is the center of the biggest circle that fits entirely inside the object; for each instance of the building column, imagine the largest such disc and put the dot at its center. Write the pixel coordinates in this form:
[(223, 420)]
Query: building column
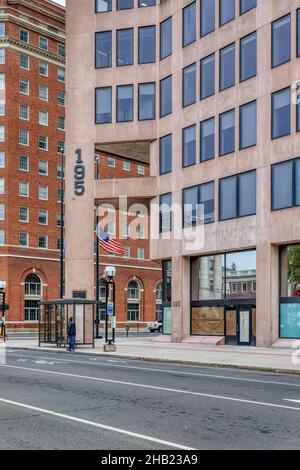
[(180, 298), (267, 295)]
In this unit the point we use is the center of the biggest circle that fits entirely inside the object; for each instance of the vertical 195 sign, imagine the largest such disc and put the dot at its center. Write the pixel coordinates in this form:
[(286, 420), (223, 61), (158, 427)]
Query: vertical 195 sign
[(79, 174)]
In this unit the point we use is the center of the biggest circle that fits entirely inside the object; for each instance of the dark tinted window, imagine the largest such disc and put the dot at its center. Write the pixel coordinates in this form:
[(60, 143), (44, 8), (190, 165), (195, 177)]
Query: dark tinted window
[(248, 119), (207, 140), (281, 113), (125, 4), (198, 205), (238, 196), (125, 103), (166, 38), (227, 133), (189, 24), (165, 212), (227, 67), (207, 76), (189, 146), (165, 154), (147, 3), (282, 185), (147, 45), (189, 85), (207, 16), (248, 57), (146, 101), (246, 5), (281, 41), (103, 5), (103, 49), (125, 47), (103, 105), (227, 11), (166, 96)]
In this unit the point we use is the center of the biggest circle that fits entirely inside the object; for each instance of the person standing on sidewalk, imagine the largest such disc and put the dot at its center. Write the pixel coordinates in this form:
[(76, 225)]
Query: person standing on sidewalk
[(71, 331)]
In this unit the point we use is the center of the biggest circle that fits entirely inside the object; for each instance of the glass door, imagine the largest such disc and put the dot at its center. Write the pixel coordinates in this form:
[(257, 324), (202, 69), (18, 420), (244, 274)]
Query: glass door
[(244, 325), (231, 326)]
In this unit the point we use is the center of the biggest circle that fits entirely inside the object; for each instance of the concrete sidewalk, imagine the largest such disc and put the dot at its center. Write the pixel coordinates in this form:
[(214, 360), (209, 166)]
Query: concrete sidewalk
[(263, 359)]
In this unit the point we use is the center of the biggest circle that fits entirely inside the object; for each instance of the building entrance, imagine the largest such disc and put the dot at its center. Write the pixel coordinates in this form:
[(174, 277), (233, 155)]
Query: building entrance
[(240, 321)]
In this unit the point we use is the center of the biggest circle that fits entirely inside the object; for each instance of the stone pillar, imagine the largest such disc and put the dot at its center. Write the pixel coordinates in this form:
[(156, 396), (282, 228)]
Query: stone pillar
[(267, 295), (79, 210), (180, 298)]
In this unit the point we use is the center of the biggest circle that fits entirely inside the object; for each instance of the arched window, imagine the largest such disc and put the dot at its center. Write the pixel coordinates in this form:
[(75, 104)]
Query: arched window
[(33, 295), (159, 292), (133, 301)]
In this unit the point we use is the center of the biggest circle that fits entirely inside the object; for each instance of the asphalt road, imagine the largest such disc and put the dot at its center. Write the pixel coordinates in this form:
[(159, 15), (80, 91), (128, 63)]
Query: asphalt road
[(52, 400)]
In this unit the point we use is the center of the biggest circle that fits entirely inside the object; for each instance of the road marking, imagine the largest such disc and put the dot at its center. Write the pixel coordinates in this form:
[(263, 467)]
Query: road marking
[(96, 425), (295, 401), (153, 387), (167, 371)]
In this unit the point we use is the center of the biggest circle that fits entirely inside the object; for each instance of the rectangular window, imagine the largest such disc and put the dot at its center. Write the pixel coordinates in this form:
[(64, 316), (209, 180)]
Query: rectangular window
[(61, 50), (281, 41), (166, 43), (290, 292), (24, 61), (2, 107), (141, 253), (165, 213), (2, 211), (237, 196), (227, 11), (246, 5), (43, 43), (147, 44), (189, 146), (207, 16), (125, 47), (189, 85), (2, 185), (60, 146), (23, 214), (24, 86), (23, 163), (43, 241), (43, 192), (111, 162), (2, 81), (147, 3), (125, 103), (43, 92), (207, 140), (43, 217), (43, 142), (2, 237), (43, 118), (23, 188), (227, 132), (165, 154), (103, 6), (2, 56), (61, 126), (2, 159), (227, 67), (147, 101), (199, 205), (103, 49), (126, 166), (166, 96), (23, 137), (2, 30), (24, 112), (248, 125), (189, 24), (43, 68), (24, 35), (43, 167), (23, 239), (2, 133), (61, 98), (124, 4), (207, 76), (248, 57), (298, 32), (61, 74), (103, 105), (281, 113), (141, 170)]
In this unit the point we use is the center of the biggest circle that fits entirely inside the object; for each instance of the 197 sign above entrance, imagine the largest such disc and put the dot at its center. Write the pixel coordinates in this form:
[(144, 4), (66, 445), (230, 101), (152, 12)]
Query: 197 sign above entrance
[(79, 175)]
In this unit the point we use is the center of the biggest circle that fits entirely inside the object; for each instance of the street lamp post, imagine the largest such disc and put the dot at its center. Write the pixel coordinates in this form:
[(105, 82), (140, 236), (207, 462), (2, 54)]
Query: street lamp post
[(97, 259)]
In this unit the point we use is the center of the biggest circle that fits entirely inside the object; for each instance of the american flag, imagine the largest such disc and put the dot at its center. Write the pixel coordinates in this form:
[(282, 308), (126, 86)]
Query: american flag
[(109, 245)]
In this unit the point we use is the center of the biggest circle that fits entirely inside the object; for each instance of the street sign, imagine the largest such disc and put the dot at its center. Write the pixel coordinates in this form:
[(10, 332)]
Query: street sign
[(110, 308)]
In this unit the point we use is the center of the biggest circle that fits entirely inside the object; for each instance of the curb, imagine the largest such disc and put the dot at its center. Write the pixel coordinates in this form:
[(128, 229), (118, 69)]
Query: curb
[(273, 370)]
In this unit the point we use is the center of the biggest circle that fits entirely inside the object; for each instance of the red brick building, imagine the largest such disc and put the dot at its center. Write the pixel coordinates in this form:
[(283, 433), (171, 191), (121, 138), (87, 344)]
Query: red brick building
[(32, 110)]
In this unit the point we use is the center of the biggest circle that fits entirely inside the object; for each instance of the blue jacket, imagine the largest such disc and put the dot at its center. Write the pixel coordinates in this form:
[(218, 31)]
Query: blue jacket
[(71, 329)]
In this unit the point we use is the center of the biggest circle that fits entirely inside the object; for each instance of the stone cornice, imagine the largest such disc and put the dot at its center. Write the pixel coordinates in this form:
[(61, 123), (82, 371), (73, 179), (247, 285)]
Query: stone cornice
[(46, 30), (31, 50), (40, 9)]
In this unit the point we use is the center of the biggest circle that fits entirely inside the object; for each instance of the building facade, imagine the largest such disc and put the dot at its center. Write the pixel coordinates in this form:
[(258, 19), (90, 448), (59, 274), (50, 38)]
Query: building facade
[(32, 126), (206, 91)]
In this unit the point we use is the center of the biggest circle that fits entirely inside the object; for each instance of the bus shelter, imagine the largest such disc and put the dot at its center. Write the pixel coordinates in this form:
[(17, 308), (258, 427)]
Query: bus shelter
[(54, 317)]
